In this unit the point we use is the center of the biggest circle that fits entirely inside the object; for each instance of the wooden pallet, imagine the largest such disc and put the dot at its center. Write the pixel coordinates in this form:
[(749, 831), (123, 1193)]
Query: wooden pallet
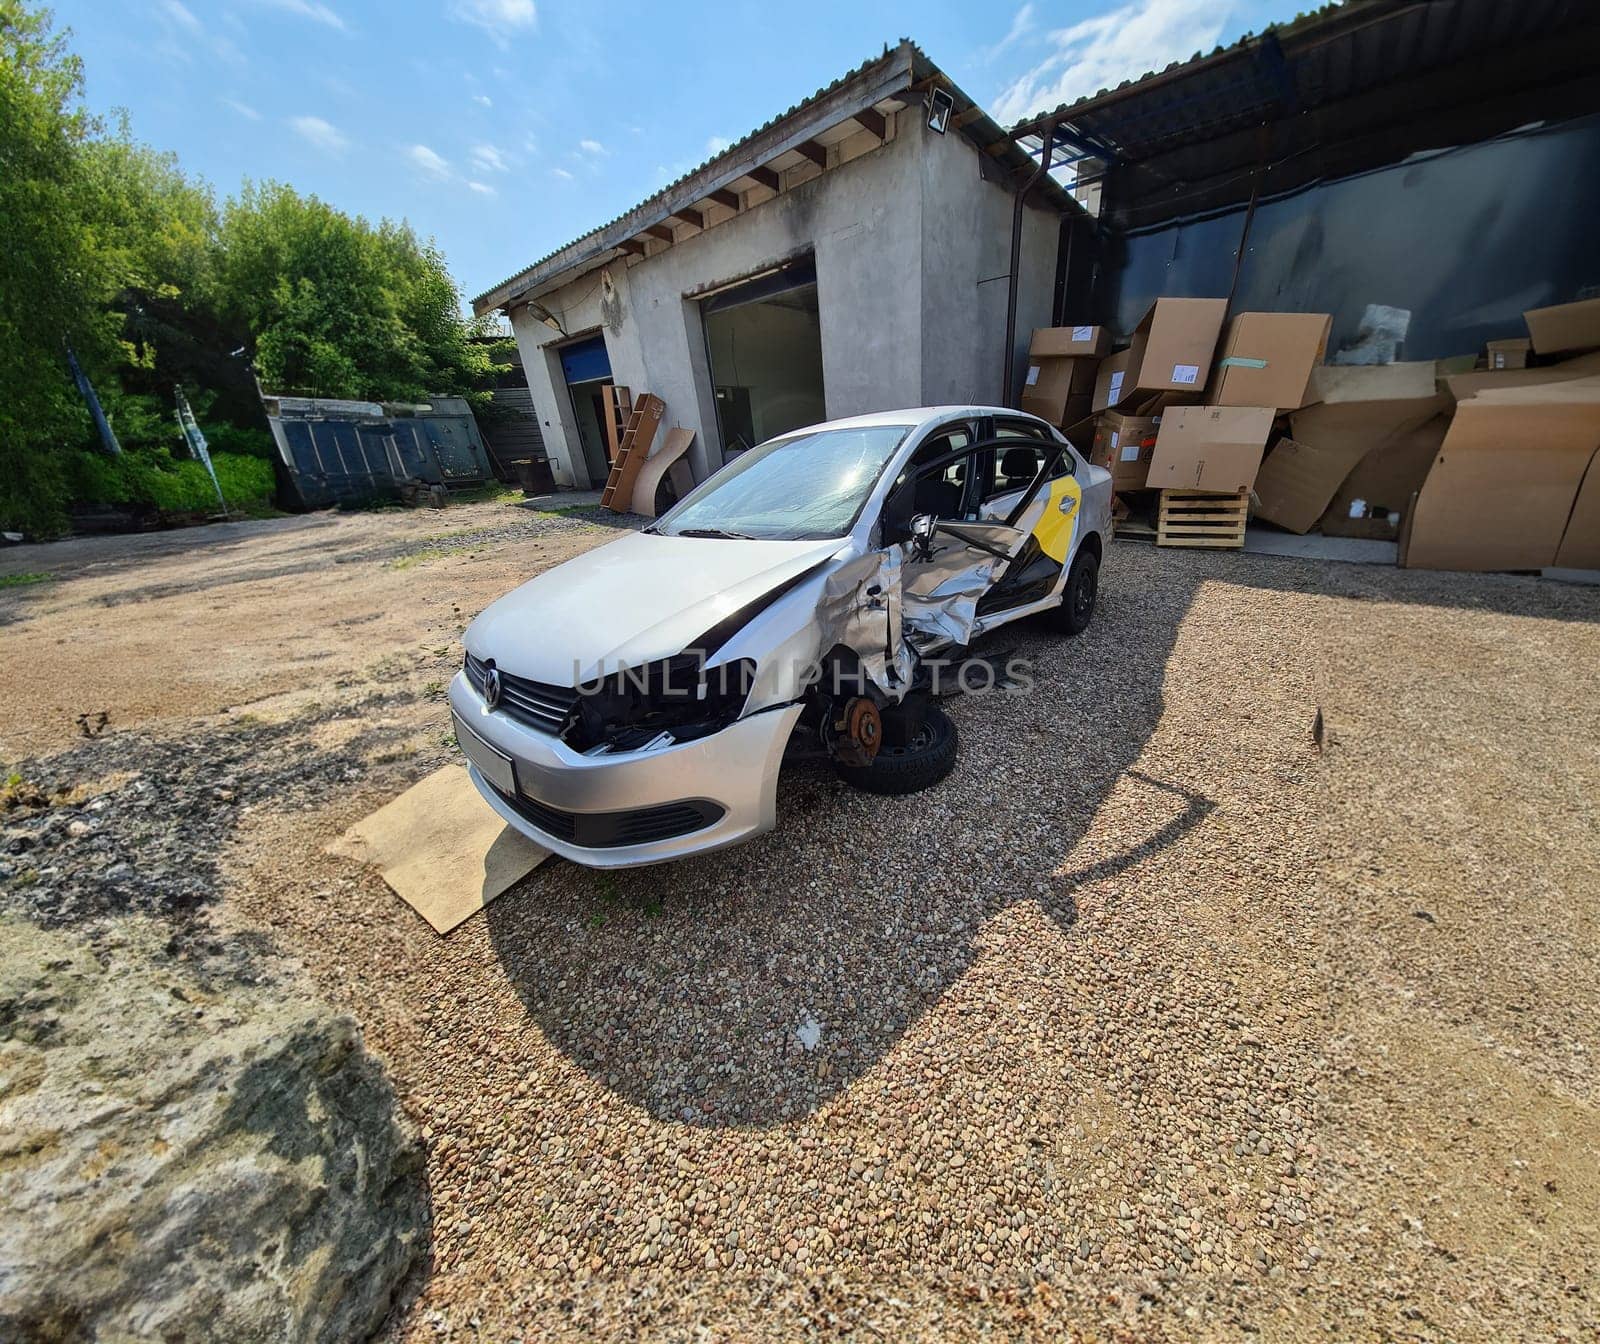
[(1201, 518), (637, 436)]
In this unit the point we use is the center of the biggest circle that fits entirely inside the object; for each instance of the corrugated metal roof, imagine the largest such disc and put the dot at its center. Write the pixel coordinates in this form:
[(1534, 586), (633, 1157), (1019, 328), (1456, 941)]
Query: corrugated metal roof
[(1322, 56), (1337, 90), (980, 129)]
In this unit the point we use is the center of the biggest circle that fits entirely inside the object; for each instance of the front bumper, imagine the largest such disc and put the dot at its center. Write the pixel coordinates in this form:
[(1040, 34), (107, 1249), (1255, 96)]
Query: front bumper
[(730, 778)]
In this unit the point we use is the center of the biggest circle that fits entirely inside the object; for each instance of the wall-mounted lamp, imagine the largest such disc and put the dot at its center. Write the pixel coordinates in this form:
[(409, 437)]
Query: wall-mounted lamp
[(546, 316), (940, 106)]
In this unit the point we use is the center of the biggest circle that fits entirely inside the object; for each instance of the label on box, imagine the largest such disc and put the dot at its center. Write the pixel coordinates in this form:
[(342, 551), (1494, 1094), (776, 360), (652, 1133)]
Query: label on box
[(1083, 333), (1113, 438), (1033, 374), (1131, 453), (1185, 373), (1116, 386)]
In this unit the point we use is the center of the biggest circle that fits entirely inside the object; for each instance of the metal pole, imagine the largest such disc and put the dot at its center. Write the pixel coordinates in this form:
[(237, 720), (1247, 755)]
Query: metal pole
[(1016, 261)]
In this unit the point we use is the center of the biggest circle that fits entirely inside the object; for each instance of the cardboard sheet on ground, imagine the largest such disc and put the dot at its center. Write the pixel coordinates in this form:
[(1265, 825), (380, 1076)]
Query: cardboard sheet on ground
[(441, 848)]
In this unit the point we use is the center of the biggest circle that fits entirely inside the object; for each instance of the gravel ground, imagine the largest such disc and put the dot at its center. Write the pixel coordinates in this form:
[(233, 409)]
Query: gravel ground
[(1155, 1019)]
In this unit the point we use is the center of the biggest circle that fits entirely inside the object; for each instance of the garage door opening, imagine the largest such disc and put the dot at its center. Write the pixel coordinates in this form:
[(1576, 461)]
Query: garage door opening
[(764, 339), (587, 369)]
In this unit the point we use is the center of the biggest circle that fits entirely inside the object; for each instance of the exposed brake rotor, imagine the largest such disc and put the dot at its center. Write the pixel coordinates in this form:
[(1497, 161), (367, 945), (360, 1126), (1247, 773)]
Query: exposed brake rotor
[(858, 731)]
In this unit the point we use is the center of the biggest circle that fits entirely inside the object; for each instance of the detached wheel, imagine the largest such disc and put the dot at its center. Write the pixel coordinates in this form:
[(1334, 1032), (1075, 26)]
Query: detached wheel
[(925, 757), (1077, 600)]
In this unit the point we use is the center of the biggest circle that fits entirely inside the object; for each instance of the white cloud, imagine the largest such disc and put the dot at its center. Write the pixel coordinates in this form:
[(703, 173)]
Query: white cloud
[(488, 159), (320, 134), (483, 188), (423, 158), (562, 173), (1021, 26), (1101, 52), (180, 14), (592, 147), (499, 18), (243, 109), (717, 144), (483, 100), (309, 9)]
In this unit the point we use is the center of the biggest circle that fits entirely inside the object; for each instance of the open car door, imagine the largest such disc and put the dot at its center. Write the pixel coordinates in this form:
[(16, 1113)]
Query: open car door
[(959, 553)]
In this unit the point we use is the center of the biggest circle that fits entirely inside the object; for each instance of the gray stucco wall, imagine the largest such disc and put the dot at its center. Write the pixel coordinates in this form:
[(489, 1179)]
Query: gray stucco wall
[(966, 250), (908, 244)]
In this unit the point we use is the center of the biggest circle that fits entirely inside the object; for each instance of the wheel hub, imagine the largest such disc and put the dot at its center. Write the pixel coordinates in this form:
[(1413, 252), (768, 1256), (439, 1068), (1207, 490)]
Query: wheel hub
[(858, 731)]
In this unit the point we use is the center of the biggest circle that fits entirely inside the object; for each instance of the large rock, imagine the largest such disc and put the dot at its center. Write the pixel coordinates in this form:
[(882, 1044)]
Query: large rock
[(186, 1160)]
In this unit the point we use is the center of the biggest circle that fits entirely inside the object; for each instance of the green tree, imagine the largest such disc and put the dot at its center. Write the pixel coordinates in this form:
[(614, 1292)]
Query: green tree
[(340, 307), (55, 278)]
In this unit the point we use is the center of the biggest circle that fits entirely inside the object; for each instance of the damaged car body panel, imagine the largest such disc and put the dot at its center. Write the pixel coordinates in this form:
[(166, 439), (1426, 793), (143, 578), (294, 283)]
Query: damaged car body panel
[(635, 704)]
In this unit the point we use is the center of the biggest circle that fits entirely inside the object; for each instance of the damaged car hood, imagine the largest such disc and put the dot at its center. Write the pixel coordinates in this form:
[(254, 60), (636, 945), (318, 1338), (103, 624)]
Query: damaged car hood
[(636, 600)]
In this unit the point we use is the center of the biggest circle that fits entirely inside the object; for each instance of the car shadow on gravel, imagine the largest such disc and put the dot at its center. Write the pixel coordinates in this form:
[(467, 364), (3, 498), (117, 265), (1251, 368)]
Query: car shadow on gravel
[(692, 989)]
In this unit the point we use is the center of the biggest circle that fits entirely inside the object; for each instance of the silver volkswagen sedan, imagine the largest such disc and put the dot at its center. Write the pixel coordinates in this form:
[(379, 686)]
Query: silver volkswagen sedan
[(635, 704)]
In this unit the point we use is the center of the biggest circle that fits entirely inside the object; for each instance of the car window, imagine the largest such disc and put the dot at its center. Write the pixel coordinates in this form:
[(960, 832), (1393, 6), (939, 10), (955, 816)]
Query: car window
[(1011, 465), (943, 493), (802, 487), (1021, 429)]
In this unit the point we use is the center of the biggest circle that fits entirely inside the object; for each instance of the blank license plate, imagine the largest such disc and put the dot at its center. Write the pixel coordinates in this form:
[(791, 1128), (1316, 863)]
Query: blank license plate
[(495, 766)]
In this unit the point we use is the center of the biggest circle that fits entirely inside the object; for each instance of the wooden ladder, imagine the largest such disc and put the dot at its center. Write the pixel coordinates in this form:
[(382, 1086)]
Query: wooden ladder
[(618, 403), (638, 433)]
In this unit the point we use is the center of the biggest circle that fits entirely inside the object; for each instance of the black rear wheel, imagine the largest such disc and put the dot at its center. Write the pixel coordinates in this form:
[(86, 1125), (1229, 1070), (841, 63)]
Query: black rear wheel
[(909, 763), (1077, 600)]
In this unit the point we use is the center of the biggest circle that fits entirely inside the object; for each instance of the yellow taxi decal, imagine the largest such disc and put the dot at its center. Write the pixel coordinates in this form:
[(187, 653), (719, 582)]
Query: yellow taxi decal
[(1054, 529)]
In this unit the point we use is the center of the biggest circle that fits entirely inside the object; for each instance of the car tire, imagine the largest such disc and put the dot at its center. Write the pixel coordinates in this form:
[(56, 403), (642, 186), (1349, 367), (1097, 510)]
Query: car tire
[(921, 762), (1072, 617)]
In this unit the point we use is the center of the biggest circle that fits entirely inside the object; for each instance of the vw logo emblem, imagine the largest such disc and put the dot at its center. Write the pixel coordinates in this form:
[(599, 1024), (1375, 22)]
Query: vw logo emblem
[(491, 685)]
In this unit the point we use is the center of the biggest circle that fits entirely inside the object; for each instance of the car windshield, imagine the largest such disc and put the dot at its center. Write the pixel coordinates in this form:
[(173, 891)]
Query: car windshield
[(802, 487)]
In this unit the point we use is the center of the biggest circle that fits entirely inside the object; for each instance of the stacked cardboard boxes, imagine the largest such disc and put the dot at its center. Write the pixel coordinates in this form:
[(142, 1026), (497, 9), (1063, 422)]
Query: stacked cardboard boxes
[(1478, 462), (1062, 363), (1176, 412)]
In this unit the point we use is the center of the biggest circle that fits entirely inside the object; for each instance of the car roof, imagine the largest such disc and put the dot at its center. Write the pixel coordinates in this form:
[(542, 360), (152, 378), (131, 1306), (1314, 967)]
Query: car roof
[(913, 417)]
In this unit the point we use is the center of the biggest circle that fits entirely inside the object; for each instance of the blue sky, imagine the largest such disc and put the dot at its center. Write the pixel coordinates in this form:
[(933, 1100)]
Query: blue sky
[(504, 128)]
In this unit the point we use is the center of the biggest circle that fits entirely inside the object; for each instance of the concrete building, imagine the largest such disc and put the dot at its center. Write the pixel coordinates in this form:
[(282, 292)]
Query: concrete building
[(852, 255)]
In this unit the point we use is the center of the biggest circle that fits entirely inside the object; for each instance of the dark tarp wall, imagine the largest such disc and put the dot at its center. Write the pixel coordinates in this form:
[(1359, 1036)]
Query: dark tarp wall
[(1465, 238)]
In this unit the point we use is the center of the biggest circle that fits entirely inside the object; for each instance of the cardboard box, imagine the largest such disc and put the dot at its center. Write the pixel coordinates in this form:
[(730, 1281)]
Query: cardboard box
[(1111, 385), (1506, 480), (1374, 496), (1124, 445), (1354, 410), (1209, 448), (1049, 386), (1507, 354), (1297, 480), (1460, 386), (1267, 359), (1172, 345), (1565, 326), (1053, 342)]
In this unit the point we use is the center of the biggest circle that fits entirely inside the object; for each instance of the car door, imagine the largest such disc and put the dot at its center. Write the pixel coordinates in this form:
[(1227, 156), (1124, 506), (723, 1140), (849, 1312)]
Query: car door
[(1027, 458), (946, 573)]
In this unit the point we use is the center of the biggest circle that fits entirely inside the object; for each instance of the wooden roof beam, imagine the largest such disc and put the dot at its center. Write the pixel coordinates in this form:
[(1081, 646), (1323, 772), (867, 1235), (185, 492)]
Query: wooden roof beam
[(727, 198), (633, 246), (870, 119), (818, 154), (662, 232), (766, 177), (690, 216)]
